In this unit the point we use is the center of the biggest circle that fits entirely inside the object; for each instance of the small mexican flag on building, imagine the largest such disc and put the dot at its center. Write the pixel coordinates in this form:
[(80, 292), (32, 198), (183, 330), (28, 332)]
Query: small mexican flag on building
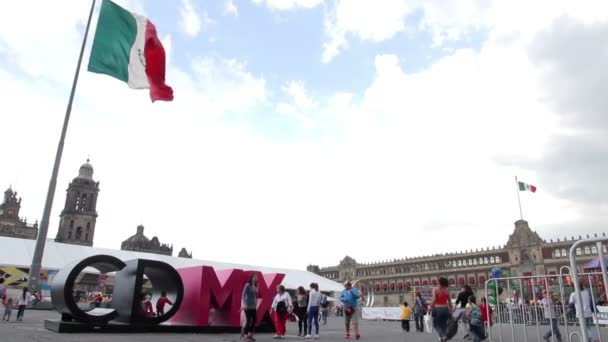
[(526, 187), (126, 47)]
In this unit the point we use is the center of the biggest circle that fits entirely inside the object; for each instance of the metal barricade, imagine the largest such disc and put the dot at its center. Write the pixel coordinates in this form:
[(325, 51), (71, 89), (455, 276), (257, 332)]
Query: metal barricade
[(586, 318), (534, 314)]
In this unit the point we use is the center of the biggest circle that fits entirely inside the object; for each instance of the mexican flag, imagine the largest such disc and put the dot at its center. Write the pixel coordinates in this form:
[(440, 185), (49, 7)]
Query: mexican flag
[(126, 47), (526, 187)]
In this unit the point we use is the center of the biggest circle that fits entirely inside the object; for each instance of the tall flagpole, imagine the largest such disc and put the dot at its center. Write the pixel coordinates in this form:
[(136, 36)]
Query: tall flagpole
[(34, 276), (521, 215)]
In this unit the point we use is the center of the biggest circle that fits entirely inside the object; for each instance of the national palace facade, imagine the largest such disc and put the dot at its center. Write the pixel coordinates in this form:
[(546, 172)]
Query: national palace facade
[(525, 253)]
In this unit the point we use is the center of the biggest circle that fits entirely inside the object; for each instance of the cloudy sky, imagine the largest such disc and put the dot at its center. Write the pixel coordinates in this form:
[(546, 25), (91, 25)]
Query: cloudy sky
[(305, 130)]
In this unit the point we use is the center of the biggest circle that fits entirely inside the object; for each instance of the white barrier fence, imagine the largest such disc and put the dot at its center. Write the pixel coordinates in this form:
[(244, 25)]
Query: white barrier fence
[(383, 313)]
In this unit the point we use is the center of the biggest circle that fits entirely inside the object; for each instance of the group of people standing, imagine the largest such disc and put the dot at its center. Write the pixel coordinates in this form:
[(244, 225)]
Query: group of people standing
[(465, 309), (22, 301), (307, 306)]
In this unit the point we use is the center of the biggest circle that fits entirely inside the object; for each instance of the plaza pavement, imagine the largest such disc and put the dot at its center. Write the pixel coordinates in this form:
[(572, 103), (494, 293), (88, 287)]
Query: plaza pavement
[(32, 329)]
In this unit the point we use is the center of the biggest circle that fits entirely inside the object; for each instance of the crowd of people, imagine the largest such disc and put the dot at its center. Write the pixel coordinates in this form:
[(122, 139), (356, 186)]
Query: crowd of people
[(440, 310), (308, 308)]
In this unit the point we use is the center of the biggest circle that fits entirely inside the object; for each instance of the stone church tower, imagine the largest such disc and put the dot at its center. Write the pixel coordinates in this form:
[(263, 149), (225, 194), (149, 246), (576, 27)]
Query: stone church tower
[(77, 224)]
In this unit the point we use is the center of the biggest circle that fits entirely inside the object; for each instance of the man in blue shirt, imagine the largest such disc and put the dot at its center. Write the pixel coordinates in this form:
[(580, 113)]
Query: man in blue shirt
[(349, 298)]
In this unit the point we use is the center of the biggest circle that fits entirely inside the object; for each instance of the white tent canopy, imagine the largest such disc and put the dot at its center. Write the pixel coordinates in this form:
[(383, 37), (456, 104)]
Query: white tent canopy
[(18, 253)]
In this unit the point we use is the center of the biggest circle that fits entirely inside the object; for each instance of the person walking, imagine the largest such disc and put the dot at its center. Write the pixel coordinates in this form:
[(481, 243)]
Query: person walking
[(419, 312), (8, 309), (324, 309), (441, 306), (349, 298), (475, 321), (281, 306), (460, 313), (314, 302), (551, 316), (300, 308), (249, 305), (585, 309), (406, 312), (22, 302)]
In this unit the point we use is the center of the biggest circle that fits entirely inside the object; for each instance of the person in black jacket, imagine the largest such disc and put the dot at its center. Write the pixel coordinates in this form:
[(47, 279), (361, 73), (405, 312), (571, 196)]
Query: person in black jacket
[(460, 313)]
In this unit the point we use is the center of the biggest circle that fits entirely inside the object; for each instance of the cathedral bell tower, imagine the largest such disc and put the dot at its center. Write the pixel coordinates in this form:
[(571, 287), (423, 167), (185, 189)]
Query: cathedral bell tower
[(77, 224)]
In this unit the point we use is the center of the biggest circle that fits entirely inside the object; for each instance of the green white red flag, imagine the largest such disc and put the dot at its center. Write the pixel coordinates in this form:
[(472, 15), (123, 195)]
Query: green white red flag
[(127, 47), (526, 187)]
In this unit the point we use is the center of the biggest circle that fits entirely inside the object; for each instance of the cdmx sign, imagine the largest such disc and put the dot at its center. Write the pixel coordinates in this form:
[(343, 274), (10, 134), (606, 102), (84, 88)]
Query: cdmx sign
[(202, 297)]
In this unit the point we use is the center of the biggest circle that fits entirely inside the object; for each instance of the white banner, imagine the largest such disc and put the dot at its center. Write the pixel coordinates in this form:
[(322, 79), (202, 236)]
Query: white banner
[(389, 313), (601, 316)]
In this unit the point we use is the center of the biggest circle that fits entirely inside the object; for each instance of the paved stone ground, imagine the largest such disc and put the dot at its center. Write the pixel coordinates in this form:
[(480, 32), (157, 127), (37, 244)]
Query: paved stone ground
[(32, 329)]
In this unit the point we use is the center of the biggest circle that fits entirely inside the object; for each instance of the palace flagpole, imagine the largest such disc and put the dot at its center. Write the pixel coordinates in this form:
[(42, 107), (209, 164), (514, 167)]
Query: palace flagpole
[(521, 215), (35, 268)]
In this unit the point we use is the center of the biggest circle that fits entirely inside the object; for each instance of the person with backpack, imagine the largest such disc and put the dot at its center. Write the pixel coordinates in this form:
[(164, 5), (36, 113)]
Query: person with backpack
[(324, 309), (281, 306), (475, 321), (314, 302), (349, 298)]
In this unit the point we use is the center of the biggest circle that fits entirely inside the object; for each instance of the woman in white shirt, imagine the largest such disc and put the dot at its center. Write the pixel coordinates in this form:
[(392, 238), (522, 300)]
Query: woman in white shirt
[(314, 301), (281, 306), (23, 301)]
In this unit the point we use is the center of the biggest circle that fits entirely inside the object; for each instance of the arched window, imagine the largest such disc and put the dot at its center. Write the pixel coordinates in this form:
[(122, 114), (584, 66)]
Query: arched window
[(86, 237), (72, 224), (78, 233), (485, 260), (475, 262), (481, 261), (470, 262), (564, 253), (498, 260), (587, 250), (579, 251), (556, 253), (88, 226), (70, 235), (594, 249), (459, 263), (604, 248), (83, 202), (491, 260)]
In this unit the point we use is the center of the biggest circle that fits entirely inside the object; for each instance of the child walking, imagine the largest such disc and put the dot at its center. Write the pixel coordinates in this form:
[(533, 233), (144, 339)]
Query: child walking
[(475, 321), (406, 312), (8, 309)]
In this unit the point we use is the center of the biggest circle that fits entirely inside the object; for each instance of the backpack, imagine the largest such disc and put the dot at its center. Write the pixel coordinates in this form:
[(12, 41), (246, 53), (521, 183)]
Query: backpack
[(324, 301), (281, 306)]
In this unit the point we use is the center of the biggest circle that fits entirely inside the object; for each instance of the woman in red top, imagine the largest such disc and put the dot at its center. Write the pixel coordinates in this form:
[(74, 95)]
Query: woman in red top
[(441, 306)]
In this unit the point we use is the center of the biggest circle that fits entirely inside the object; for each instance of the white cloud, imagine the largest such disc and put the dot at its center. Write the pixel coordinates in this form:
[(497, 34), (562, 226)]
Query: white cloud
[(289, 4), (191, 23), (412, 154), (230, 8), (301, 105), (445, 20)]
